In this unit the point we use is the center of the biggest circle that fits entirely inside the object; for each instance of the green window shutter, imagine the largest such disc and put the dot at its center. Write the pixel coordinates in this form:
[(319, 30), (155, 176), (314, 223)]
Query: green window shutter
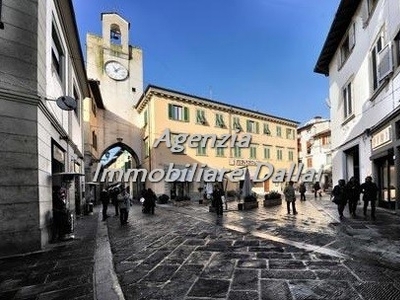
[(186, 114), (257, 128), (198, 116), (170, 111), (248, 129)]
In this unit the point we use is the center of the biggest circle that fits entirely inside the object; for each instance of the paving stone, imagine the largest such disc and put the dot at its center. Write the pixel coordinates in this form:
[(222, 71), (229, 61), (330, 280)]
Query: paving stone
[(335, 290), (243, 295), (288, 274), (274, 255), (274, 290), (215, 288), (218, 268), (244, 279), (252, 263), (285, 264), (161, 273), (374, 290)]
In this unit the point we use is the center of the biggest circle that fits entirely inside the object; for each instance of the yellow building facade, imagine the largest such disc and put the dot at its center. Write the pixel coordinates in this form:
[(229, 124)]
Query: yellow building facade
[(217, 137)]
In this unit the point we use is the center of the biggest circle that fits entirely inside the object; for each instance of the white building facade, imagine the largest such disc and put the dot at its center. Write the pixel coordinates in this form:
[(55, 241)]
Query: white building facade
[(361, 56), (314, 146), (40, 61)]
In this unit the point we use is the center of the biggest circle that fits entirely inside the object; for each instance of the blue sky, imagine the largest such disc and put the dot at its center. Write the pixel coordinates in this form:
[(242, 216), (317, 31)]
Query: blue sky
[(257, 54)]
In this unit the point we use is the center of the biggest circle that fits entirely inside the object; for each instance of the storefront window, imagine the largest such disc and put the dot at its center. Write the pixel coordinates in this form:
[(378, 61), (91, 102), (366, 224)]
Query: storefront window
[(387, 182)]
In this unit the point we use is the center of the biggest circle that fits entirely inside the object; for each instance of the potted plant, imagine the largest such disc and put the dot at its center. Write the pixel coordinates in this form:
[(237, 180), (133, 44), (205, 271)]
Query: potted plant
[(163, 199), (250, 202), (272, 198)]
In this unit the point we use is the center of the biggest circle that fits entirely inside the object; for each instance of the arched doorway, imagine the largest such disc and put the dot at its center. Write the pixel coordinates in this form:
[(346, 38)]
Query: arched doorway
[(116, 158)]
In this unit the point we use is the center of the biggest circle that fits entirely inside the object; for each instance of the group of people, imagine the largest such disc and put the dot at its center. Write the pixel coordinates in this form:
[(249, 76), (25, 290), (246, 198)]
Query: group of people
[(350, 193), (122, 201)]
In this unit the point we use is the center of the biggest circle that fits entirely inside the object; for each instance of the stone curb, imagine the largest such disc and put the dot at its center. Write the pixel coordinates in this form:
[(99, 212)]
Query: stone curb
[(105, 281)]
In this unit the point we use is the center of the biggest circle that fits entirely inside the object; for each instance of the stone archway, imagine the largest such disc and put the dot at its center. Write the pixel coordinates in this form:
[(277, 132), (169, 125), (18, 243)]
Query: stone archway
[(120, 156)]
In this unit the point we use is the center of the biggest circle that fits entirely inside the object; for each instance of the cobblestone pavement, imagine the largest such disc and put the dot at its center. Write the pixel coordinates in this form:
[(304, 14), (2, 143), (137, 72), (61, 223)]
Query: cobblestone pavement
[(63, 271), (189, 253)]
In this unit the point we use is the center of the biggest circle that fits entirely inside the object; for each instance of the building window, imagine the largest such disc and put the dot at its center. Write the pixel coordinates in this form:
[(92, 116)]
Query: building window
[(237, 152), (382, 63), (347, 101), (309, 162), (78, 104), (201, 150), (266, 129), (252, 126), (57, 53), (278, 131), (94, 140), (347, 45), (219, 121), (290, 133), (308, 145), (236, 124), (291, 155), (325, 140), (253, 152), (145, 117), (115, 34), (279, 154), (267, 153), (201, 117), (178, 113), (220, 151), (397, 49)]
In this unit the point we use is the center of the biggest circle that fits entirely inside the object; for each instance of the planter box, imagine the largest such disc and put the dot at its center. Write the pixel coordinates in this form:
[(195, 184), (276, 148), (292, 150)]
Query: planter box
[(272, 202), (181, 203), (247, 205)]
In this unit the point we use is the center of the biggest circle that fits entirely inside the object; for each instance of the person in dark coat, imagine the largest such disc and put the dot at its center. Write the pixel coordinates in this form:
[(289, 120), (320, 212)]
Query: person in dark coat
[(302, 190), (340, 197), (353, 195), (217, 198), (104, 200), (149, 201), (370, 191), (317, 189)]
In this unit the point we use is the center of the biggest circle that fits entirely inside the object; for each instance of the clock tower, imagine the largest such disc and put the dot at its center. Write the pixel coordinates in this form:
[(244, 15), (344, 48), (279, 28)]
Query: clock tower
[(117, 66)]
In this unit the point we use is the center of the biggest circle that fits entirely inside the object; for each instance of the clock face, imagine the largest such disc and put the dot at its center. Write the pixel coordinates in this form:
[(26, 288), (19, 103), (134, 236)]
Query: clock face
[(115, 70)]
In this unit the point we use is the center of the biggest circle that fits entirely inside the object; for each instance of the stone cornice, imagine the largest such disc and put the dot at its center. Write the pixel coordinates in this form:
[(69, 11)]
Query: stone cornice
[(207, 103)]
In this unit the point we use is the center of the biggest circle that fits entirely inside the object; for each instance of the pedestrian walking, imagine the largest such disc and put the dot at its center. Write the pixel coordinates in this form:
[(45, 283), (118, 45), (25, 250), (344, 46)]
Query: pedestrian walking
[(317, 189), (149, 201), (353, 195), (104, 198), (340, 197), (290, 197), (217, 198), (302, 190), (369, 190), (124, 203)]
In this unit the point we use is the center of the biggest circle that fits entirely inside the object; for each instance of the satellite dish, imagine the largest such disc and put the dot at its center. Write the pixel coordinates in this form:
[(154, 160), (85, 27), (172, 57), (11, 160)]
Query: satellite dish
[(66, 103)]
